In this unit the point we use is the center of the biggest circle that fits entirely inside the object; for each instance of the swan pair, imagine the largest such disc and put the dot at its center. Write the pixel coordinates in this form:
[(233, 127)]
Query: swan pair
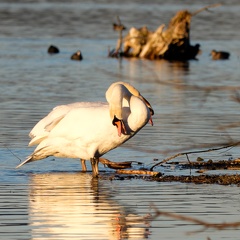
[(88, 130)]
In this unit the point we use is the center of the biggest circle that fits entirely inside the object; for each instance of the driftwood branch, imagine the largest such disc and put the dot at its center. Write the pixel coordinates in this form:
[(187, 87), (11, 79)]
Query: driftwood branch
[(117, 165), (205, 224), (192, 152), (139, 172), (120, 167)]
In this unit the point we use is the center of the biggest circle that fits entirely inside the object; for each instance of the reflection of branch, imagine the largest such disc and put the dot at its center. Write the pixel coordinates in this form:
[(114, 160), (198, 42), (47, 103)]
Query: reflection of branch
[(191, 152), (236, 98), (217, 226), (207, 89), (230, 125)]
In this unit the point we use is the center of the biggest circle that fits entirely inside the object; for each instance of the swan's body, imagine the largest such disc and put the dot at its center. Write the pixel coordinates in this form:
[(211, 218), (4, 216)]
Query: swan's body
[(43, 127), (87, 130)]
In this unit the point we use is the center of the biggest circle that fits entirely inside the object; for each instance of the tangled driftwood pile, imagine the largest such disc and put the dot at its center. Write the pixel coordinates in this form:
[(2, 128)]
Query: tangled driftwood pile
[(172, 43)]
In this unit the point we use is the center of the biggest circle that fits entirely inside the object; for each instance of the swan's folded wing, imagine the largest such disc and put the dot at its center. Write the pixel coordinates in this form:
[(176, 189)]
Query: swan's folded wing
[(40, 127), (41, 130), (52, 124), (36, 139)]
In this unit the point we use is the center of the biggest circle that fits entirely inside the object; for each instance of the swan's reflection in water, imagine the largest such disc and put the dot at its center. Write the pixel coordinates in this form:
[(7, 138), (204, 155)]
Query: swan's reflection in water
[(76, 206)]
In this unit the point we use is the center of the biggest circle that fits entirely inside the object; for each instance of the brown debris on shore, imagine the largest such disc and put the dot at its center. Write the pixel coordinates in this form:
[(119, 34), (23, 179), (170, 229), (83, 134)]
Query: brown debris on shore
[(225, 179), (202, 179), (222, 179)]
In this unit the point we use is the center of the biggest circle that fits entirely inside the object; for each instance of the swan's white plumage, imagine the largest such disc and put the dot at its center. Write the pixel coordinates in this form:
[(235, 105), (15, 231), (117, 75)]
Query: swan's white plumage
[(85, 130), (44, 126)]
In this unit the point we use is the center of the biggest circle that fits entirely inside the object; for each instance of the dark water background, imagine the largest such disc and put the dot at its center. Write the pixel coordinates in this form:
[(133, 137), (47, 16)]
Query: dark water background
[(51, 199)]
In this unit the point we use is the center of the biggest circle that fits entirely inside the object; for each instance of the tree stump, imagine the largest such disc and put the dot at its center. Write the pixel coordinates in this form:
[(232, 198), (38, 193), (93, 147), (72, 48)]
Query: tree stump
[(171, 44)]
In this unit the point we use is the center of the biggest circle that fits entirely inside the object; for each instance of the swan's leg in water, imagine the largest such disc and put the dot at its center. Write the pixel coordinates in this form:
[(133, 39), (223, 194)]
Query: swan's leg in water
[(84, 167), (94, 163)]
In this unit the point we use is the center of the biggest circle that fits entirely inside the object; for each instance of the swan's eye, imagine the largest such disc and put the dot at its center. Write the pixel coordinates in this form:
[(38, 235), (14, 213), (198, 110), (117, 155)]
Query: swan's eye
[(148, 105), (115, 120), (151, 111)]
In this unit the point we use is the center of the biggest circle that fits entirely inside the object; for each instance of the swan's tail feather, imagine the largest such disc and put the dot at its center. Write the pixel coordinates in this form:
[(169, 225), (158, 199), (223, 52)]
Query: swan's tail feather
[(29, 159)]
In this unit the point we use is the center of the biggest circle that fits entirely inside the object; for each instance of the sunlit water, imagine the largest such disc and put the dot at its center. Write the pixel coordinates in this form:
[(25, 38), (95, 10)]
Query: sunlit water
[(51, 199)]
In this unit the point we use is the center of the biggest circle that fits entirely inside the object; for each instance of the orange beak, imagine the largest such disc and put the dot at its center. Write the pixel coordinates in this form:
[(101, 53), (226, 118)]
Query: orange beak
[(120, 126), (151, 121)]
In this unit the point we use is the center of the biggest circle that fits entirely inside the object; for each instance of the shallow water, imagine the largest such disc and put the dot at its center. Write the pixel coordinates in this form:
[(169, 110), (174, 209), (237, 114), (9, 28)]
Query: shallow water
[(51, 199)]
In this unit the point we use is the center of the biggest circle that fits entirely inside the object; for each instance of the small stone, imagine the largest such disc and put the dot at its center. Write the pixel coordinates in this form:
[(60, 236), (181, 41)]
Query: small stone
[(53, 49), (199, 159)]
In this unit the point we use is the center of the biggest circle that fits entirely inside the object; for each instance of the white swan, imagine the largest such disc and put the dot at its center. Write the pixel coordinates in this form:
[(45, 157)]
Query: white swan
[(86, 130)]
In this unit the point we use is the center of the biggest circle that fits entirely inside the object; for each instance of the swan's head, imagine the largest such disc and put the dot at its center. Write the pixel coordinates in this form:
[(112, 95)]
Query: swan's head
[(115, 96), (136, 93)]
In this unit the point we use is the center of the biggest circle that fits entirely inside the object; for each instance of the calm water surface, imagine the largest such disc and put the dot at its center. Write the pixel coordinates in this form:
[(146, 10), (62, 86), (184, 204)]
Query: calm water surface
[(52, 199)]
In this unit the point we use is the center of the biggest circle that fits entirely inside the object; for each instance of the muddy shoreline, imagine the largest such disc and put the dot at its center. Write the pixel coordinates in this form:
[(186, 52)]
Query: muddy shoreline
[(199, 167)]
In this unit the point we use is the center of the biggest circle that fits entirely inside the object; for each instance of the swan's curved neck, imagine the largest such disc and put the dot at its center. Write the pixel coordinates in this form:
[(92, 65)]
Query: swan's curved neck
[(115, 97), (128, 111)]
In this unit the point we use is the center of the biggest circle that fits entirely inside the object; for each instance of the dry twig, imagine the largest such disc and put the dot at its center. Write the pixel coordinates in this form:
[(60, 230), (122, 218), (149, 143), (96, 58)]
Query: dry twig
[(119, 27), (206, 8), (191, 152)]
